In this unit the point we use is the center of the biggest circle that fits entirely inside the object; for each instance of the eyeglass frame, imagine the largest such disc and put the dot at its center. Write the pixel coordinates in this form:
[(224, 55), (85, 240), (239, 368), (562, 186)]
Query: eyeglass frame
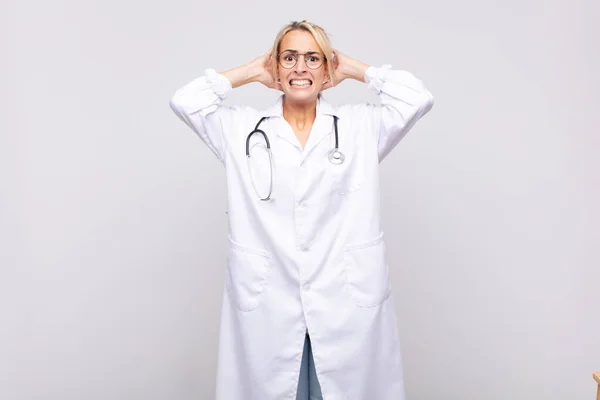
[(303, 55)]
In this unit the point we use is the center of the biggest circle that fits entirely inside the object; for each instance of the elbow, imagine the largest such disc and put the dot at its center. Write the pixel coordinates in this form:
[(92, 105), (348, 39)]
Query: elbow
[(176, 104), (173, 104), (427, 101), (430, 101)]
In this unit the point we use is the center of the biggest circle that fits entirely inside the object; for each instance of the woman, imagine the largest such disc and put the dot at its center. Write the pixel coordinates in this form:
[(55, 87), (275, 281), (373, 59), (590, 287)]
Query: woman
[(307, 309)]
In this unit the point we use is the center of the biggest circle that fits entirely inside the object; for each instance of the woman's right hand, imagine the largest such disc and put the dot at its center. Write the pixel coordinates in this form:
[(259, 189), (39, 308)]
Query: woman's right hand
[(263, 67), (257, 70)]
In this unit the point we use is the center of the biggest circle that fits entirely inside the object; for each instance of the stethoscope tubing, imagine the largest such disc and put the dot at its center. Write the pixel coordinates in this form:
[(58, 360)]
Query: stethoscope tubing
[(335, 155)]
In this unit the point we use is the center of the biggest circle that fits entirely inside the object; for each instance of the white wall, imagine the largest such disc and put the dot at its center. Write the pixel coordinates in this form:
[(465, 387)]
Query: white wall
[(112, 210)]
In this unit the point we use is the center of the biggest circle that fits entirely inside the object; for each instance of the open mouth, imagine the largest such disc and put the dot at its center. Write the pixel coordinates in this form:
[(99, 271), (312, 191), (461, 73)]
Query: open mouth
[(300, 83)]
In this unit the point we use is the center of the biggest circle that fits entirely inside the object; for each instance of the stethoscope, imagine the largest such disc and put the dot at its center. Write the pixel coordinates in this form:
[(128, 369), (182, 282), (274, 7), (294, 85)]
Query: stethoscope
[(335, 156)]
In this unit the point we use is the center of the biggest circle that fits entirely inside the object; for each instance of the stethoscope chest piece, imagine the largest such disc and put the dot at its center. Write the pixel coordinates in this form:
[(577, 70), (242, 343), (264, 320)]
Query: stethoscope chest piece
[(336, 157)]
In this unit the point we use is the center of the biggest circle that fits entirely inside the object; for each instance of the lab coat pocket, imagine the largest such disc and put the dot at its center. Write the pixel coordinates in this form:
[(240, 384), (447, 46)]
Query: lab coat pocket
[(367, 273), (247, 273)]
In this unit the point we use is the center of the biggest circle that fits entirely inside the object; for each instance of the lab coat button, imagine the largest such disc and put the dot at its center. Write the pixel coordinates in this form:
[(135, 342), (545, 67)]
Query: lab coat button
[(306, 287), (304, 248)]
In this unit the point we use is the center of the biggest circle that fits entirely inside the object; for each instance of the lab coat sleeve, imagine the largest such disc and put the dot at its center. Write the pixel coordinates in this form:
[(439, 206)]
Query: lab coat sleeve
[(404, 100), (198, 104)]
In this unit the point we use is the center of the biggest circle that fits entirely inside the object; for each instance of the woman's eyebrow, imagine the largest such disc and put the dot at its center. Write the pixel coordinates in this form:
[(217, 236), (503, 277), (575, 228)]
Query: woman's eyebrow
[(296, 51)]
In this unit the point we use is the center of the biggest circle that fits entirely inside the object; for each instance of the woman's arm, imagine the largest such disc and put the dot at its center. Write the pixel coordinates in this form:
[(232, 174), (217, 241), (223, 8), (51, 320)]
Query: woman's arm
[(258, 70), (198, 103), (404, 99), (345, 67)]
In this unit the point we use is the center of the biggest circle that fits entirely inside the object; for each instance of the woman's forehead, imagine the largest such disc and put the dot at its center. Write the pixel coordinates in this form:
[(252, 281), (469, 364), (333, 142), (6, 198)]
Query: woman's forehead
[(301, 41)]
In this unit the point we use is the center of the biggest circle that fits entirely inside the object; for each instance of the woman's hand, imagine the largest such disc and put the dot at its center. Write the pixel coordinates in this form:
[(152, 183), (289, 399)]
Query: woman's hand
[(257, 70), (345, 67), (262, 67)]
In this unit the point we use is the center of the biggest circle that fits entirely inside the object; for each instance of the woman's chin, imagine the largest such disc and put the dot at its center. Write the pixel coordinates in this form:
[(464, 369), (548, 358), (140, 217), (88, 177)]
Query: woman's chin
[(301, 95)]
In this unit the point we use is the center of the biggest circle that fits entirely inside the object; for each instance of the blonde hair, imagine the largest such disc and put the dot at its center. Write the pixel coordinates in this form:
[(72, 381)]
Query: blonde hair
[(320, 37)]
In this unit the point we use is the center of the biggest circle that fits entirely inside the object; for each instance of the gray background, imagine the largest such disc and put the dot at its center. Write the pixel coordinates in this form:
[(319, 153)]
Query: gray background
[(112, 211)]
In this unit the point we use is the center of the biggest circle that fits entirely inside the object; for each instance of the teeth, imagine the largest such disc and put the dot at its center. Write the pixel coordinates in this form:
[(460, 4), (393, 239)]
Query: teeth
[(300, 82)]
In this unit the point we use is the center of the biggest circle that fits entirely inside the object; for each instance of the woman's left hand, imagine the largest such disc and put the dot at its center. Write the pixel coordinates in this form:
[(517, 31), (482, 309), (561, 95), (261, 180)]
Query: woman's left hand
[(345, 67)]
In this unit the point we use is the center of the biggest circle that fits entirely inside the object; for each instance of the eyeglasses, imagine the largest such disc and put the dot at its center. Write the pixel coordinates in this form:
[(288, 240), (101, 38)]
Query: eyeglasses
[(288, 59)]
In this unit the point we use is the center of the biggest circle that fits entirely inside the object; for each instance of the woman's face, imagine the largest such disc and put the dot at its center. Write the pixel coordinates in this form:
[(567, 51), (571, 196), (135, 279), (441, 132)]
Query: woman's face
[(300, 83)]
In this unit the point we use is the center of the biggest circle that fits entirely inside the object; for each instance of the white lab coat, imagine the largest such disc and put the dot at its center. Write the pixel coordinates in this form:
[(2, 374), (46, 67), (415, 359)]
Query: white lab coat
[(313, 257)]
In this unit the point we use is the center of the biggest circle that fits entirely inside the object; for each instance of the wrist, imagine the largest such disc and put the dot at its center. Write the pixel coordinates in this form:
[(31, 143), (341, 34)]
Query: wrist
[(356, 70), (241, 75), (252, 71)]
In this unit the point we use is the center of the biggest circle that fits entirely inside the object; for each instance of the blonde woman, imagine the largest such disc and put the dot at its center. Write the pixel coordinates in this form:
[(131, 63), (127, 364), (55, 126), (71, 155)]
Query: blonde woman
[(307, 310)]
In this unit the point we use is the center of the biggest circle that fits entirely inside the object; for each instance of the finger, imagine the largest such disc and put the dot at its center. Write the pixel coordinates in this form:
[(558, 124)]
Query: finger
[(267, 55), (339, 57)]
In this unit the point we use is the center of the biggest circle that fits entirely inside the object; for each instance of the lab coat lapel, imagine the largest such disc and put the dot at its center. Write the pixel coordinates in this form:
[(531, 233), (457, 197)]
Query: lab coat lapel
[(282, 128), (322, 127)]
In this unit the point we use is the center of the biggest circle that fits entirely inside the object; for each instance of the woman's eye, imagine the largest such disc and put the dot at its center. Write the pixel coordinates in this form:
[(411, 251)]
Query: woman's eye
[(313, 58)]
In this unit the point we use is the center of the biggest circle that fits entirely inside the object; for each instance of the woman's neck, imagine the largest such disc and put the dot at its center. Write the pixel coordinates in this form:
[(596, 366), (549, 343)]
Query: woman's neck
[(299, 116)]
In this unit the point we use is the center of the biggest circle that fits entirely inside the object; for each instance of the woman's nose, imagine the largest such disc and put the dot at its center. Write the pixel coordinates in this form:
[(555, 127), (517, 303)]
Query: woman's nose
[(300, 64)]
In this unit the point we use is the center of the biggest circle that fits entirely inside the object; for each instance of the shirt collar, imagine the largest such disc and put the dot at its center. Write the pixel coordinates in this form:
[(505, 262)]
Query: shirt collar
[(323, 107)]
